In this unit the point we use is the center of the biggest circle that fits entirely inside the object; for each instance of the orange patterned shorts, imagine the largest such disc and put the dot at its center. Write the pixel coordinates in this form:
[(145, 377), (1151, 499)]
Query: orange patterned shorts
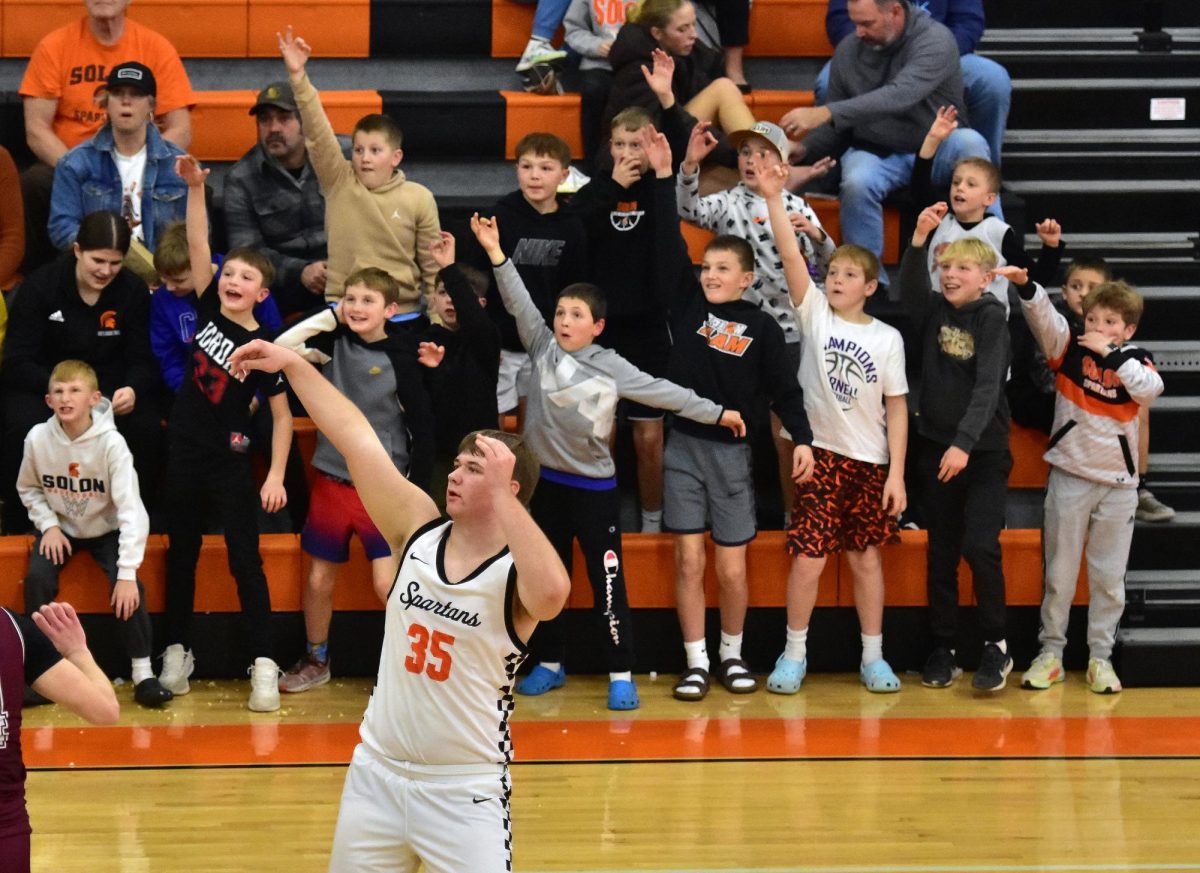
[(840, 507)]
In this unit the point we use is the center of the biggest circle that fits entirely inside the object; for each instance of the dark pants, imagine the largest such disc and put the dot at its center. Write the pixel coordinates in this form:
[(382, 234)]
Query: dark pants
[(733, 22), (141, 428), (565, 513), (14, 848), (41, 586), (196, 476), (594, 86), (36, 184), (964, 517)]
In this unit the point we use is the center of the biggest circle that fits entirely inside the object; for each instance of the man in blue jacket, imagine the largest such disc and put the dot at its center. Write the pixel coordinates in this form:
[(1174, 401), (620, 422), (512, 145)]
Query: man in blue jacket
[(127, 167), (987, 86)]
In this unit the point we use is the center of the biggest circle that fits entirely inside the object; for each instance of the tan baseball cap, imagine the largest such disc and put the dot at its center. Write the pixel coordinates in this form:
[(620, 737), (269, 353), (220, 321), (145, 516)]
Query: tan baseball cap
[(772, 133)]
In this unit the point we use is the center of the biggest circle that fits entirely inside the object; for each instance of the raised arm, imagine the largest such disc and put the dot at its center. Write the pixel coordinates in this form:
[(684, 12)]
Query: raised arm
[(542, 581), (324, 320), (396, 506), (795, 271), (707, 212), (199, 253), (323, 150), (916, 288), (531, 326)]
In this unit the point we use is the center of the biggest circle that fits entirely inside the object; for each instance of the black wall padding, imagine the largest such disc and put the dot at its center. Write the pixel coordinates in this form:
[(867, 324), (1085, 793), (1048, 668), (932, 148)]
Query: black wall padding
[(431, 27), (12, 128), (446, 125)]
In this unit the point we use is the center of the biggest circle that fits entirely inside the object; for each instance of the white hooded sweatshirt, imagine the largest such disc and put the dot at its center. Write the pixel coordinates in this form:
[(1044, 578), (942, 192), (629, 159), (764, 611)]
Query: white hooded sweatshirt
[(87, 485)]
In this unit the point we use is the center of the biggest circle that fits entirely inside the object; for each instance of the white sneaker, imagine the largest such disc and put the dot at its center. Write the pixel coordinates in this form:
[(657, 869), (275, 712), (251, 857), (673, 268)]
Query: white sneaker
[(538, 51), (177, 666), (264, 685)]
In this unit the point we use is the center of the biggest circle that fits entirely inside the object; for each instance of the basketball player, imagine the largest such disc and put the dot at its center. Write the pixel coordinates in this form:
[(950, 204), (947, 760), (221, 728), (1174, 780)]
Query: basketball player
[(429, 781), (51, 654)]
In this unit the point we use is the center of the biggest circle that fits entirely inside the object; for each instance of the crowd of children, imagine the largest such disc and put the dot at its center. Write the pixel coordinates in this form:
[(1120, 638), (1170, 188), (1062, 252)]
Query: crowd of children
[(585, 312)]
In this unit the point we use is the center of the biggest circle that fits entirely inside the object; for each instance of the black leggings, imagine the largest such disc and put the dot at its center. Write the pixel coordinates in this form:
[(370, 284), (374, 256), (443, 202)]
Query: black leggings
[(565, 513)]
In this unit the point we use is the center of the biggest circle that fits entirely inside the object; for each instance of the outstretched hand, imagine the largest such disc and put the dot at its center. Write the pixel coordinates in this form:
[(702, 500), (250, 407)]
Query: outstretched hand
[(1049, 232), (61, 626), (660, 74), (771, 180), (928, 220), (657, 149), (430, 354), (295, 52), (1019, 276), (700, 145), (487, 231), (442, 249), (944, 123), (189, 169), (260, 355)]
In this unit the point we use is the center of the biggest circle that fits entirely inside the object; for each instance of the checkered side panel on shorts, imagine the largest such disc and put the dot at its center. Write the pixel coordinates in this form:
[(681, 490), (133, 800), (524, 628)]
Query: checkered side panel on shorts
[(505, 795)]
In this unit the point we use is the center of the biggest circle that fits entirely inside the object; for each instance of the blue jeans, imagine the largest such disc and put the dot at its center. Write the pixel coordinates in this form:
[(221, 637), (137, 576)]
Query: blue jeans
[(868, 178), (986, 88), (548, 16)]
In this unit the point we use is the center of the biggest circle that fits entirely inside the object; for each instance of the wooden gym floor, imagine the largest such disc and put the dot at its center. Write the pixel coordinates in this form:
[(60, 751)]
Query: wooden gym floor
[(833, 780)]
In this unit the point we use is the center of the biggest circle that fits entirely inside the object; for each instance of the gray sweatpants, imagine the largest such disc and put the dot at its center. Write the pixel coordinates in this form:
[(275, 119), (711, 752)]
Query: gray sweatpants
[(1079, 511)]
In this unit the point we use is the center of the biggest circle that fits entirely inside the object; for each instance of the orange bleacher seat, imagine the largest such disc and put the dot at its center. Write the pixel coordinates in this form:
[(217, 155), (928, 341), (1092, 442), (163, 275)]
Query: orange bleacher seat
[(349, 38), (222, 129), (557, 114), (788, 28), (1027, 445), (197, 28), (512, 24)]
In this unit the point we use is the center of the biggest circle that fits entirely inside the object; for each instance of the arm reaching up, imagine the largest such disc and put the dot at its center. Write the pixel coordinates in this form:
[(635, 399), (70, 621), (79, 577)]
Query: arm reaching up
[(199, 252), (771, 183)]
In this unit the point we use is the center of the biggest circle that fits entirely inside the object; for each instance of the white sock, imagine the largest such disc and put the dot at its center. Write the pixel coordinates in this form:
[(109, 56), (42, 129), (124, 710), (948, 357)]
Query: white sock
[(872, 648), (1002, 645), (797, 644), (627, 676), (141, 670), (731, 646), (697, 654), (552, 666), (651, 521)]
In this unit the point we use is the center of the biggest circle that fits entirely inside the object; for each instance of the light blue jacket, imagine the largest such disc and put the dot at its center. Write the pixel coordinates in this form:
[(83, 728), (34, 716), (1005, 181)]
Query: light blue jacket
[(86, 180)]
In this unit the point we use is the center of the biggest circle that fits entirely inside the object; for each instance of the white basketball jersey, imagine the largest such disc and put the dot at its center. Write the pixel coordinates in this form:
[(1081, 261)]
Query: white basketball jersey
[(445, 688)]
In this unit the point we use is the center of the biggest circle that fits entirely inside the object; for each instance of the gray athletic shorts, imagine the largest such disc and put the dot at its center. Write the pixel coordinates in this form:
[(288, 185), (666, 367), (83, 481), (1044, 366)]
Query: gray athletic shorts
[(705, 480)]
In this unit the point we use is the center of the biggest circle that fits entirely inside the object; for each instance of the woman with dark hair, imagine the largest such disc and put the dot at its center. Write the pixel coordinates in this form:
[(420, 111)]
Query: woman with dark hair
[(86, 306), (659, 65)]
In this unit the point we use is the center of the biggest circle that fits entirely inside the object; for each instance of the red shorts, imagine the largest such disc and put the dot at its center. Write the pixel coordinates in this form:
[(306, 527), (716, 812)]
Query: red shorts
[(840, 507), (335, 511)]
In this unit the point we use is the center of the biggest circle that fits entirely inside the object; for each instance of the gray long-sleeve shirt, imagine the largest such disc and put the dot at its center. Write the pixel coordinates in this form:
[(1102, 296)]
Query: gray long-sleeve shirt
[(573, 395), (885, 99)]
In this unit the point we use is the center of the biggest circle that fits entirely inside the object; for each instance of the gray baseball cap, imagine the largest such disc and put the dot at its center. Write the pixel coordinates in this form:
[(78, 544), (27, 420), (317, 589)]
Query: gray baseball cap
[(772, 133)]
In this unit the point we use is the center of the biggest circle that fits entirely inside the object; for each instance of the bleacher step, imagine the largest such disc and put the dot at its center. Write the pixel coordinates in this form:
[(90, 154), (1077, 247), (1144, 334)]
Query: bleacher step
[(1158, 657), (1098, 103), (1100, 164), (1090, 205)]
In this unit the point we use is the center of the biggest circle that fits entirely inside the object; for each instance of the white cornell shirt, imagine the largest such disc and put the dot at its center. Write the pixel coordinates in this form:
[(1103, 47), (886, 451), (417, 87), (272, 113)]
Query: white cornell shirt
[(450, 655), (846, 370)]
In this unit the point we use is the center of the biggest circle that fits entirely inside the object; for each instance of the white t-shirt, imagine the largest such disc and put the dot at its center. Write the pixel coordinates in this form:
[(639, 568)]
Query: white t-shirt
[(132, 168), (846, 370)]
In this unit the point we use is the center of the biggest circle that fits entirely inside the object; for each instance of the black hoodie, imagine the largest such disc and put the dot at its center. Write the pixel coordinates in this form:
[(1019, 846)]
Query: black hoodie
[(964, 362)]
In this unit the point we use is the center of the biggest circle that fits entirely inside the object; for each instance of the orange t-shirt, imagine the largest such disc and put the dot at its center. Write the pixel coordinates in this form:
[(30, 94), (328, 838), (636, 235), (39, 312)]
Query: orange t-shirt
[(70, 66)]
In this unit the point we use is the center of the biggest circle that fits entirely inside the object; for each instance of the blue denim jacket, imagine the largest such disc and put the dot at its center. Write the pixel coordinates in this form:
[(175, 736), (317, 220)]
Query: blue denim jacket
[(86, 180)]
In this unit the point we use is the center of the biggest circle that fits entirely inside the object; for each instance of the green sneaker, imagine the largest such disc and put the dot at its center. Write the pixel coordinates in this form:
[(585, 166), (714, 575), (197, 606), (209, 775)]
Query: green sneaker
[(1102, 678), (1046, 670)]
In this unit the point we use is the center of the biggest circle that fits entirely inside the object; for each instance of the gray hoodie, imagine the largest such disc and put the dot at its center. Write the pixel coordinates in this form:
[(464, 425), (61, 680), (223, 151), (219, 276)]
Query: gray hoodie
[(573, 395), (86, 486)]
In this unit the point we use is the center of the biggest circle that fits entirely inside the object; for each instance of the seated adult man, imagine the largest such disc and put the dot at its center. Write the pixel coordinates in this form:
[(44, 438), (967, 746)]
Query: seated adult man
[(986, 85), (59, 88), (127, 167), (273, 203), (887, 81)]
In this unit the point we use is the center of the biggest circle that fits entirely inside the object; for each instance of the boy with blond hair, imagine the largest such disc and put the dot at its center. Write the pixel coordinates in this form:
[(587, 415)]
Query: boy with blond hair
[(963, 461), (974, 190), (855, 394), (373, 215), (1103, 383), (78, 483)]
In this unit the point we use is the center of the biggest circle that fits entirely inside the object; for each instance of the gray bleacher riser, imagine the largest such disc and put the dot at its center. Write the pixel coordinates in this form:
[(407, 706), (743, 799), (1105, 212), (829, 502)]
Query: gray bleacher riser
[(1113, 162), (1102, 104), (1083, 207), (1084, 13)]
